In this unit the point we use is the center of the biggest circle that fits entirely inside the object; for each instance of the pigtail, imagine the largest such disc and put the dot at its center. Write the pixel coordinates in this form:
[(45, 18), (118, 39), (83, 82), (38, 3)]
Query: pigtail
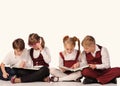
[(42, 42), (65, 38), (76, 39)]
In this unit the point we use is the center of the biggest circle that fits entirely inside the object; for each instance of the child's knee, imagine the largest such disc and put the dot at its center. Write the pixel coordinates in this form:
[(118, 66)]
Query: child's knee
[(52, 70), (85, 71)]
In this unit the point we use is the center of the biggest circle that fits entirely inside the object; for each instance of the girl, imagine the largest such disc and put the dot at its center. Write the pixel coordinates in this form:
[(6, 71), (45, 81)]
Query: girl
[(40, 57), (70, 58), (39, 53)]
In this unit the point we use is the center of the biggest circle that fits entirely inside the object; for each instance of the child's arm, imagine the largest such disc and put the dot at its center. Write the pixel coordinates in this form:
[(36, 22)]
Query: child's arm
[(27, 59), (76, 65), (5, 74), (83, 61), (22, 64), (46, 55), (105, 59), (61, 64), (62, 69)]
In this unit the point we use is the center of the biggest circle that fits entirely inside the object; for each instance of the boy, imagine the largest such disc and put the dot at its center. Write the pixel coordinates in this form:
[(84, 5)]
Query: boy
[(99, 63), (15, 58)]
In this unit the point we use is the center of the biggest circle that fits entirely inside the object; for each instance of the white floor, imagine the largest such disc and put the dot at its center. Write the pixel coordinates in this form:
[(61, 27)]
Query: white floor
[(8, 83)]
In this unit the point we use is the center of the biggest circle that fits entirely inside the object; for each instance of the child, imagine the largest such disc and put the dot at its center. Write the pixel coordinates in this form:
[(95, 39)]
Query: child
[(16, 58), (40, 57), (39, 53), (70, 58), (99, 63)]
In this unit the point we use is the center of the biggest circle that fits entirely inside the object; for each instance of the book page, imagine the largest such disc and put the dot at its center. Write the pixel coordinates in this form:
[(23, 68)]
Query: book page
[(77, 69)]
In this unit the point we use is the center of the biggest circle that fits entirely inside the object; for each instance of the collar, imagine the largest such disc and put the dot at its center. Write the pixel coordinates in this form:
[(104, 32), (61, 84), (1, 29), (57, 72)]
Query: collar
[(96, 49)]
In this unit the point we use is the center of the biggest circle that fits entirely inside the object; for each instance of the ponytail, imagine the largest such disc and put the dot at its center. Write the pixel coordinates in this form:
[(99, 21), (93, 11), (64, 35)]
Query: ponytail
[(65, 38), (76, 39), (72, 40)]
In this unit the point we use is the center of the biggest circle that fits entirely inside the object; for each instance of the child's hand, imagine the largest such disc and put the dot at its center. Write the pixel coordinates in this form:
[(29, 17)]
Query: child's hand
[(40, 47), (62, 69), (76, 65), (93, 66), (5, 75), (22, 64)]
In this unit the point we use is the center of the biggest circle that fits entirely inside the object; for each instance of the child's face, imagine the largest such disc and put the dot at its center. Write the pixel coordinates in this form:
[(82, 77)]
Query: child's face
[(69, 48), (89, 49), (17, 52), (36, 46)]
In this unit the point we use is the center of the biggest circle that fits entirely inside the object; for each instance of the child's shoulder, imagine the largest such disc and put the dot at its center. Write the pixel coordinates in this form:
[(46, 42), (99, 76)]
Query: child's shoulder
[(61, 52), (46, 48), (25, 50), (11, 53)]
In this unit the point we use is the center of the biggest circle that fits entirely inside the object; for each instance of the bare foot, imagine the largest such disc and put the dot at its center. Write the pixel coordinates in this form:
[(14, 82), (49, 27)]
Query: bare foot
[(47, 79)]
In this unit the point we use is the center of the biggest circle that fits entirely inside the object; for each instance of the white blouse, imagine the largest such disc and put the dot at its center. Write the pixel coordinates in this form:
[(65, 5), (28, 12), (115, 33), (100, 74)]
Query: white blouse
[(45, 53), (67, 56)]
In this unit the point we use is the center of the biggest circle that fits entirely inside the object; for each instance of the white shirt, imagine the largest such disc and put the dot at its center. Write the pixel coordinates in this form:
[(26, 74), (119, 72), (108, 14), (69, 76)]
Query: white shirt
[(105, 58), (67, 56), (14, 61), (45, 53)]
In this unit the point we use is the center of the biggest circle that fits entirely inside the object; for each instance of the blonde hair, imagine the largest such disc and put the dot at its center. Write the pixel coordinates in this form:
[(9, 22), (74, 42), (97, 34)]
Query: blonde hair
[(88, 40), (72, 40)]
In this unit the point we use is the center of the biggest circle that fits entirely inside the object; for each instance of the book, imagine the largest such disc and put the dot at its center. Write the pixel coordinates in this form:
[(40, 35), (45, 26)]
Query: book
[(32, 68), (74, 70)]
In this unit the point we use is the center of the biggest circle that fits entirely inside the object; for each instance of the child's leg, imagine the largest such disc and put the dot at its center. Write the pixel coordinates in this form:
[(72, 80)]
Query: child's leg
[(39, 75), (88, 72), (20, 72), (57, 73), (10, 71), (90, 75), (73, 76), (109, 75)]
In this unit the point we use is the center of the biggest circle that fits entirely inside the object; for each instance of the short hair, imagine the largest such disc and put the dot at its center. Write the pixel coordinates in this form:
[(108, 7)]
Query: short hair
[(88, 40), (35, 38), (18, 44)]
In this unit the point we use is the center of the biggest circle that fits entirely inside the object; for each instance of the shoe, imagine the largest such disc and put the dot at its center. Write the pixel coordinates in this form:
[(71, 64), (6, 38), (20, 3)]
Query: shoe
[(13, 79), (54, 79), (78, 80), (113, 81), (89, 80)]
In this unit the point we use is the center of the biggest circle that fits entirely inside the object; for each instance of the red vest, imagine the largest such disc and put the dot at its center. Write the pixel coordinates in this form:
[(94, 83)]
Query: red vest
[(69, 63), (39, 60), (94, 60)]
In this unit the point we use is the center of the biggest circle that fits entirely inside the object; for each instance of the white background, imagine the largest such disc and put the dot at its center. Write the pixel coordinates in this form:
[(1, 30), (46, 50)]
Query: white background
[(55, 19)]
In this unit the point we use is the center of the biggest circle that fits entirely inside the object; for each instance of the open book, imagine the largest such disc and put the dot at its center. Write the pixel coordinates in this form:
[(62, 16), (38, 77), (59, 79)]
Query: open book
[(32, 68), (74, 70)]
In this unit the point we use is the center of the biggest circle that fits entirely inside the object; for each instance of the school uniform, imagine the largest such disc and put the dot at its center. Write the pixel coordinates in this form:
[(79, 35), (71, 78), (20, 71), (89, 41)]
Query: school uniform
[(103, 72), (67, 60), (38, 58)]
